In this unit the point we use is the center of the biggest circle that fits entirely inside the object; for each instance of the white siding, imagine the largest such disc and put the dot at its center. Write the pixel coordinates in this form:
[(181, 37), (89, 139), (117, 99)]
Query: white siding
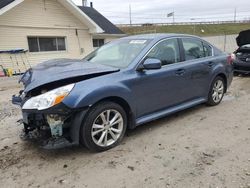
[(40, 13), (36, 18)]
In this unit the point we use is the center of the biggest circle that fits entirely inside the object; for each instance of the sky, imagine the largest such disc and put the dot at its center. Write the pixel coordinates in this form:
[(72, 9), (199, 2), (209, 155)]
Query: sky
[(148, 11)]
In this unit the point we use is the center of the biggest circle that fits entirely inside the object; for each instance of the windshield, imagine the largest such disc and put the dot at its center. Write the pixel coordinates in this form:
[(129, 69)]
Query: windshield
[(118, 53)]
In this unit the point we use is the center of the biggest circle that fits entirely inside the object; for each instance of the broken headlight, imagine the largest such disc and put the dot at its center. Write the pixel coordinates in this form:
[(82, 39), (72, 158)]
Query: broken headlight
[(48, 99)]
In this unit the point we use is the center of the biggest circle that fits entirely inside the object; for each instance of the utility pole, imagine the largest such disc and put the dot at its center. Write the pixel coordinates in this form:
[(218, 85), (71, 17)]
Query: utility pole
[(173, 17), (235, 14), (194, 28), (130, 15)]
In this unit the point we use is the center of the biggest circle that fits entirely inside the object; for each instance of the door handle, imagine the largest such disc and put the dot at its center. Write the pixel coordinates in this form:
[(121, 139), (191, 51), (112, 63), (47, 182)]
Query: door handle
[(210, 64), (180, 72)]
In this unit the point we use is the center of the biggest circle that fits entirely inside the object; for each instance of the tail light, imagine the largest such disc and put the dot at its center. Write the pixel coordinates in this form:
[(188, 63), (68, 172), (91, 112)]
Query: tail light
[(231, 58)]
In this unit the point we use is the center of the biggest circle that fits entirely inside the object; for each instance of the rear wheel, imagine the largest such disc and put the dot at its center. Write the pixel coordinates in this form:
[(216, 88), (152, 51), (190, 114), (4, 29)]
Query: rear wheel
[(104, 126), (216, 92)]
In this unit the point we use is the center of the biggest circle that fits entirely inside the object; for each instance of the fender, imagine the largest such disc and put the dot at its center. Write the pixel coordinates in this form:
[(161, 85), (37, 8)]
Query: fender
[(86, 98)]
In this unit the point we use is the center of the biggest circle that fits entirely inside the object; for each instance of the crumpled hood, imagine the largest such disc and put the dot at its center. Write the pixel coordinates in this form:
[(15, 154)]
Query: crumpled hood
[(243, 38), (60, 70)]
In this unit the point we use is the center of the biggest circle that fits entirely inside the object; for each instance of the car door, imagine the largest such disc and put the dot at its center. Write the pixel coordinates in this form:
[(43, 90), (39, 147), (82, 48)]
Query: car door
[(198, 65), (159, 89)]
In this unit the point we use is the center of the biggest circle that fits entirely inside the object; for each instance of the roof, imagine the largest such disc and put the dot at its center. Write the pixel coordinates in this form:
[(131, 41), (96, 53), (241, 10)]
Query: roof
[(158, 36), (99, 19), (4, 3)]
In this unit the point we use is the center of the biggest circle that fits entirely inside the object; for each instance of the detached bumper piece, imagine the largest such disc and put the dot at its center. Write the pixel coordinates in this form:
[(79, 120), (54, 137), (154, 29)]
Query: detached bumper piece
[(17, 100), (49, 130)]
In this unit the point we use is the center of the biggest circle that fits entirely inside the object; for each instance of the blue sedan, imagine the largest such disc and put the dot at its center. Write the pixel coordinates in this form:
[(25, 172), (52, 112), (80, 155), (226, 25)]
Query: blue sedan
[(123, 84)]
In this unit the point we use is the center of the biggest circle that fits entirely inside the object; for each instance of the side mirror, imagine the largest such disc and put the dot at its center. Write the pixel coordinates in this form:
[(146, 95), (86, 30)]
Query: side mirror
[(151, 63)]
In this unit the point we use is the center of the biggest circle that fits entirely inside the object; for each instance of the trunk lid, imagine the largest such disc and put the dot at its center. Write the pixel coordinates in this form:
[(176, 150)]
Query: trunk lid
[(243, 38)]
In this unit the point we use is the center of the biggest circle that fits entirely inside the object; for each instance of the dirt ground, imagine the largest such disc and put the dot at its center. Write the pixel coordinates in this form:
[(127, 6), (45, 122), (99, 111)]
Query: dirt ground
[(200, 147)]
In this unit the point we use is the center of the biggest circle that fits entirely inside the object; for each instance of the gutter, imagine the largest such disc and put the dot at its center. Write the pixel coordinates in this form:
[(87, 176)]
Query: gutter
[(109, 35), (10, 6)]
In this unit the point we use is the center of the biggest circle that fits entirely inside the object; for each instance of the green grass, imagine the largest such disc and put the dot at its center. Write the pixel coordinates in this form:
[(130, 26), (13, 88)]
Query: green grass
[(209, 29)]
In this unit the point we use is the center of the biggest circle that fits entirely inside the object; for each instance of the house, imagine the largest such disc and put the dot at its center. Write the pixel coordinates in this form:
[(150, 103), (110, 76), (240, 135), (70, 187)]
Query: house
[(49, 29)]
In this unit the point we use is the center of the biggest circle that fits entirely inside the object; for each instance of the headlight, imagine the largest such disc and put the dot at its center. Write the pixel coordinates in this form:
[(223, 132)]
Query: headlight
[(49, 99)]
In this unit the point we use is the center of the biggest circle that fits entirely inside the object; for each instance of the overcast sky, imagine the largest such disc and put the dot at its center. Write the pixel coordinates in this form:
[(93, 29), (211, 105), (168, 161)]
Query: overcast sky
[(146, 11)]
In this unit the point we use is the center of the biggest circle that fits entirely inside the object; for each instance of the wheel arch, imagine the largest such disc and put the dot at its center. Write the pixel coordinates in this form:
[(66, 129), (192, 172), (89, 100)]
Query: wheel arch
[(222, 75), (125, 105)]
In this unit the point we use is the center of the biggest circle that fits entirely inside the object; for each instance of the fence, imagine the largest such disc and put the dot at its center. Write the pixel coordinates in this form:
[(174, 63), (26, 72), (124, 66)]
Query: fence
[(182, 23), (16, 60), (226, 43)]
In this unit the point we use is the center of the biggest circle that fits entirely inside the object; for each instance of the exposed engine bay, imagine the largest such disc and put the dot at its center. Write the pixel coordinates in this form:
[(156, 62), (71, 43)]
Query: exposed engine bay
[(46, 85)]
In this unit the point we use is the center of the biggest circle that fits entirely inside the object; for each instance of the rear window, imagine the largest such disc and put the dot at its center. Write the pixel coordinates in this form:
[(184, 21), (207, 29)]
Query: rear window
[(195, 49)]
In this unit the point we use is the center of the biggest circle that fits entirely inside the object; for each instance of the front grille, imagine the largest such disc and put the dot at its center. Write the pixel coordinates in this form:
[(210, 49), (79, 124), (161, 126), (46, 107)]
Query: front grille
[(36, 120)]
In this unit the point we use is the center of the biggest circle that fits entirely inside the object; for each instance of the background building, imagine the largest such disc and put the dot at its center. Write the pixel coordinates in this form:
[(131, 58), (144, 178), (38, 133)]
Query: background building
[(49, 29)]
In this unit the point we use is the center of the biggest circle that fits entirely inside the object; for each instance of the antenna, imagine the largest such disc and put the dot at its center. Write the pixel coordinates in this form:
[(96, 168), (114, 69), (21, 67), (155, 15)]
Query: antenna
[(235, 14), (130, 15), (84, 3)]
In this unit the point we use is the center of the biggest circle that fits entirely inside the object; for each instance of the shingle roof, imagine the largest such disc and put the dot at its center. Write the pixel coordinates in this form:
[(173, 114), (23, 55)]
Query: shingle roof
[(4, 3), (101, 21)]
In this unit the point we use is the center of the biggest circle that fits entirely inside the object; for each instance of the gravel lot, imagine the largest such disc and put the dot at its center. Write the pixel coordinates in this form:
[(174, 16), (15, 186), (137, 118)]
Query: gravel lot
[(200, 147)]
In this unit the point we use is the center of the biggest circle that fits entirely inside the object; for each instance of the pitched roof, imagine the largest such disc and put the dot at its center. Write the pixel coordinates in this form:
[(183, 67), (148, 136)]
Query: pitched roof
[(93, 14), (99, 19), (4, 3)]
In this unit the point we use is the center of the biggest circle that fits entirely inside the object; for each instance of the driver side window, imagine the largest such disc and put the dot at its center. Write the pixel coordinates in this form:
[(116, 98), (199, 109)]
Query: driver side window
[(167, 51)]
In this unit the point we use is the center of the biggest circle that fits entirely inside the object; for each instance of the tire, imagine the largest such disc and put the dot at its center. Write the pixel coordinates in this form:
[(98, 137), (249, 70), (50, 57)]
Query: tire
[(98, 134), (236, 74), (216, 92)]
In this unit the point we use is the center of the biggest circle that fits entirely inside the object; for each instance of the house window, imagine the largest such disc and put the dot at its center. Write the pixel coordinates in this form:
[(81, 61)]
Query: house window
[(46, 44), (98, 43)]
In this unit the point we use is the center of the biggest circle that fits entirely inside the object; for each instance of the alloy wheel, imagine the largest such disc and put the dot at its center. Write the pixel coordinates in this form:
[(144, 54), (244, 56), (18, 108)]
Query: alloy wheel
[(107, 128), (218, 91)]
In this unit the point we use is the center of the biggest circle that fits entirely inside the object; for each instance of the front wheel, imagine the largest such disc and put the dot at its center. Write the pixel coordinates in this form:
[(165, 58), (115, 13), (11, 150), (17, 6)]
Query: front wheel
[(216, 92), (104, 126)]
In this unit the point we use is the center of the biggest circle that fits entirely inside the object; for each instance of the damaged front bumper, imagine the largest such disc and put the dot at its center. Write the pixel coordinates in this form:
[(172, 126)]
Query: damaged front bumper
[(54, 128)]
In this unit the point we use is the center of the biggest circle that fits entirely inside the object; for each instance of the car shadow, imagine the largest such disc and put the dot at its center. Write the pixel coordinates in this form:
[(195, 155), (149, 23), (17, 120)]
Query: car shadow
[(165, 121), (81, 151), (247, 75)]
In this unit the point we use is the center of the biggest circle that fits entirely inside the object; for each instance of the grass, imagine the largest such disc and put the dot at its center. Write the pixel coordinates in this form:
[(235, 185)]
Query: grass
[(200, 30)]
